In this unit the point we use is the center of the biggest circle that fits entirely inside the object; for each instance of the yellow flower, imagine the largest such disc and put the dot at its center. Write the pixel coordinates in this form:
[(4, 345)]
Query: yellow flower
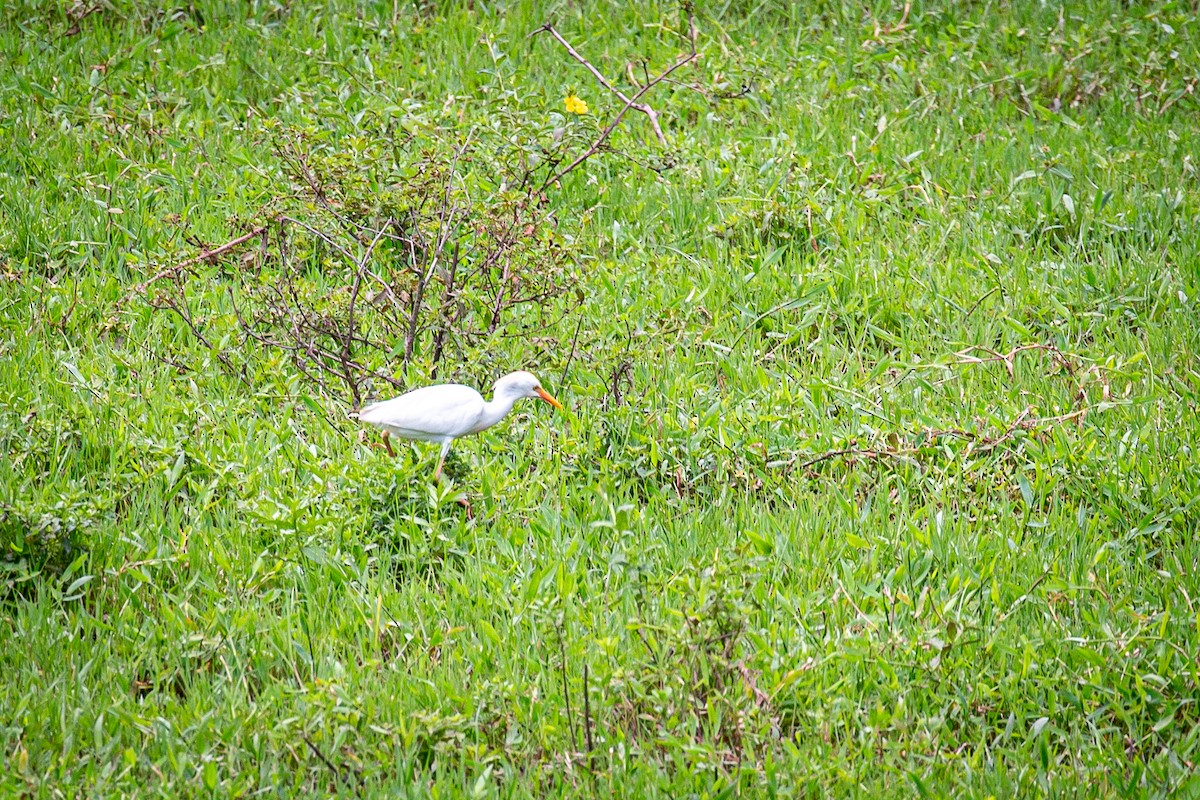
[(575, 105)]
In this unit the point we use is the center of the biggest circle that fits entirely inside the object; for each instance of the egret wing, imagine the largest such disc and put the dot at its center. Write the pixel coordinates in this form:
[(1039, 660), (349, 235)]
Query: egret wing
[(433, 412)]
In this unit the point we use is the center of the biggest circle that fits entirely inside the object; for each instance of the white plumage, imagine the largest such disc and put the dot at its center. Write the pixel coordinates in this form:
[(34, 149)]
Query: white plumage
[(447, 411)]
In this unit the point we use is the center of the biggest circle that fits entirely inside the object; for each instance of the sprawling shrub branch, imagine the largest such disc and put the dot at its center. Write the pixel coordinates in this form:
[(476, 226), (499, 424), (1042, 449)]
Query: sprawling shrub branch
[(385, 257)]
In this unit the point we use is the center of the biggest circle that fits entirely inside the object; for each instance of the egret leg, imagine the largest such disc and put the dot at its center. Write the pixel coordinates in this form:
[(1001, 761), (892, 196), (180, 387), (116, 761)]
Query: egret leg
[(465, 503), (437, 473), (388, 444)]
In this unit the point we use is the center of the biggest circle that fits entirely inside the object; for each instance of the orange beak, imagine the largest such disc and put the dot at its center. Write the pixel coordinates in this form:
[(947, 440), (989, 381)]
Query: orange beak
[(549, 398)]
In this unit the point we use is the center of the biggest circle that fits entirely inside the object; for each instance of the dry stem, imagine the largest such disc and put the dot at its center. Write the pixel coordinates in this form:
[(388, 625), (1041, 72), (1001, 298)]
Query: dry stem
[(1023, 421), (627, 101), (207, 255)]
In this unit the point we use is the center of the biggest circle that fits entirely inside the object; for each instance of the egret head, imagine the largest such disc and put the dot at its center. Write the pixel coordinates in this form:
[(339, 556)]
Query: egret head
[(523, 384)]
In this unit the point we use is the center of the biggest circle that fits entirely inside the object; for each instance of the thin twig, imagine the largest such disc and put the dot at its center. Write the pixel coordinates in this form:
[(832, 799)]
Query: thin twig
[(587, 709), (570, 356), (439, 336), (444, 232), (745, 89), (562, 651), (180, 307), (650, 113), (207, 255), (854, 605), (595, 147), (762, 698), (1022, 598), (982, 297), (1023, 421), (627, 101), (498, 305), (848, 451), (1068, 361), (348, 339), (352, 227), (1057, 355), (317, 752), (320, 235)]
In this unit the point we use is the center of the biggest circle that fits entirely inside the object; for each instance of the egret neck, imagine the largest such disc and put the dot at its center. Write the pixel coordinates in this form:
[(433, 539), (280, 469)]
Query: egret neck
[(496, 409)]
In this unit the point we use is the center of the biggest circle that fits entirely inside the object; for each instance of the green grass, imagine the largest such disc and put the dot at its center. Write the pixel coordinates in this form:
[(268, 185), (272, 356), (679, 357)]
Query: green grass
[(213, 586)]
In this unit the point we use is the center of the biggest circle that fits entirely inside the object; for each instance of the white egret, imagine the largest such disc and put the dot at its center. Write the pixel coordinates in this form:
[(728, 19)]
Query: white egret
[(447, 411)]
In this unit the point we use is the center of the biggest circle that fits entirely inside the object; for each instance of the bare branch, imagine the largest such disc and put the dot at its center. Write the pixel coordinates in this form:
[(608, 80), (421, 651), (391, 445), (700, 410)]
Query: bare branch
[(548, 28), (629, 102), (439, 337), (965, 356), (595, 147), (322, 236), (348, 341), (338, 335), (1025, 421), (853, 452), (444, 233), (207, 255), (587, 710), (571, 355)]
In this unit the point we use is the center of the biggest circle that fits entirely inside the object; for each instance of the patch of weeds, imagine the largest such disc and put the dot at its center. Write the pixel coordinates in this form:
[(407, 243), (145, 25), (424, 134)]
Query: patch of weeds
[(378, 254), (35, 540), (695, 690), (767, 221)]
